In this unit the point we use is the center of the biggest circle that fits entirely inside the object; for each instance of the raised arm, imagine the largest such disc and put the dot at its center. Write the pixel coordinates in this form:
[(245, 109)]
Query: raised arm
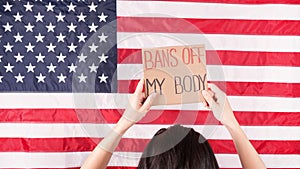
[(222, 110), (138, 106)]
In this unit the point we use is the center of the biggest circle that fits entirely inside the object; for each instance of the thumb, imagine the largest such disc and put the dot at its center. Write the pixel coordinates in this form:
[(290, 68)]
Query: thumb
[(148, 102)]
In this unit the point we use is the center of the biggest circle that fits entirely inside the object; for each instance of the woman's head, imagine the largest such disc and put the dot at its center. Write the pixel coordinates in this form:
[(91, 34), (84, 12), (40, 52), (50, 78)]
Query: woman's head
[(178, 148)]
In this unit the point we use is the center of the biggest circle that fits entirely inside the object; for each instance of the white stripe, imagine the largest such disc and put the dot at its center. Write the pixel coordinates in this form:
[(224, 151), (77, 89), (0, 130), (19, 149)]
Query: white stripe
[(67, 130), (207, 10), (129, 159), (275, 74), (119, 101), (265, 43), (224, 160)]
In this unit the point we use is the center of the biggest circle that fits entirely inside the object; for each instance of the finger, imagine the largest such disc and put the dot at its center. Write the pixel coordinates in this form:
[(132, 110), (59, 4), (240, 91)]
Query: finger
[(139, 87), (205, 104), (211, 92), (142, 97), (148, 102), (209, 99)]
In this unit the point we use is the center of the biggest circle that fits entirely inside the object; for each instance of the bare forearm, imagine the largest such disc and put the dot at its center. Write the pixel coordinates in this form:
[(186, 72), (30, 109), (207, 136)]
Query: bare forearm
[(247, 153), (101, 155), (138, 106), (98, 159)]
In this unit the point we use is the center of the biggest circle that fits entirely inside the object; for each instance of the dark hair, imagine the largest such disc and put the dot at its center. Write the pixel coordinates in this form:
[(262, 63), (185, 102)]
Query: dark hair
[(178, 148)]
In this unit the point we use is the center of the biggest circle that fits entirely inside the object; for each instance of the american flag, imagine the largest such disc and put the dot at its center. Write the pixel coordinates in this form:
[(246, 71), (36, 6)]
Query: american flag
[(67, 68)]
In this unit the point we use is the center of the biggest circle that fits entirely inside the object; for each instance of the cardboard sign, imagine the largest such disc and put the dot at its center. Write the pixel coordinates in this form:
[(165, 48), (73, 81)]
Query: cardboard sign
[(177, 73)]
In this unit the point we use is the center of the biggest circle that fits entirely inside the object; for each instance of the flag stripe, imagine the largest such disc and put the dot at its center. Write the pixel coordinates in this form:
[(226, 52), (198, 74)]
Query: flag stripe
[(200, 10), (238, 88), (233, 1), (263, 43), (120, 167), (279, 74), (133, 145), (152, 117), (208, 26), (239, 58), (119, 101), (67, 130), (74, 159)]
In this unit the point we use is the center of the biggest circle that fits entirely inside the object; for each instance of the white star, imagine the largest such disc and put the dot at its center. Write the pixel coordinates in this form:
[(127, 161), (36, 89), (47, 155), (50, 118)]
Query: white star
[(61, 58), (19, 78), (18, 17), (72, 48), (19, 58), (41, 78), (60, 38), (103, 78), (7, 27), (28, 7), (39, 17), (7, 7), (82, 78), (1, 77), (51, 68), (29, 27), (60, 17), (1, 58), (50, 27), (29, 47), (72, 68), (39, 38), (8, 47), (93, 48), (102, 38), (103, 58), (40, 58), (51, 47), (50, 7), (9, 68), (81, 38), (81, 17), (30, 68), (92, 7), (93, 27), (81, 58), (0, 37), (18, 37), (71, 7), (61, 78), (102, 17), (71, 27), (93, 68)]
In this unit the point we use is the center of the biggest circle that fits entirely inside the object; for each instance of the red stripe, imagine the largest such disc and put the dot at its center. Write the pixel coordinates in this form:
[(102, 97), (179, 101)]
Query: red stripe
[(234, 1), (133, 145), (121, 167), (117, 167), (208, 26), (153, 117), (238, 88), (133, 56)]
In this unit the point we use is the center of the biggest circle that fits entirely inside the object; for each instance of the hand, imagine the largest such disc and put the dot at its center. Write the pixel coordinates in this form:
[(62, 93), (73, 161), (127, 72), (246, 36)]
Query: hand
[(138, 105), (219, 104)]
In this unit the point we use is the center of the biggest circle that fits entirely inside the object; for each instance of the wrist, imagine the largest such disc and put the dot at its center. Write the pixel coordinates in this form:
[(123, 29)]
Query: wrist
[(231, 125), (123, 125)]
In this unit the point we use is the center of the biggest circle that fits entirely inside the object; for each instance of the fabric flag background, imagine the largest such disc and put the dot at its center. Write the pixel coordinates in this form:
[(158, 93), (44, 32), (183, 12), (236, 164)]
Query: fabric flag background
[(67, 68)]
